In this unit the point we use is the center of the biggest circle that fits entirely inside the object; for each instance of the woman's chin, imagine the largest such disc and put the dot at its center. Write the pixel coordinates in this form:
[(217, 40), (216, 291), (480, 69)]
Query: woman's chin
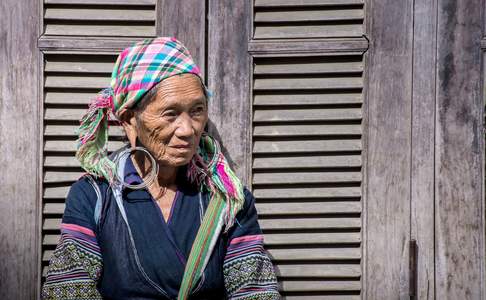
[(179, 160)]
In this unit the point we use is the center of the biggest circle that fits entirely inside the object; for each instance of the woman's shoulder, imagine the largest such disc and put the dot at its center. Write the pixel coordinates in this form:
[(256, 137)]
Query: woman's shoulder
[(81, 201), (249, 198), (84, 187)]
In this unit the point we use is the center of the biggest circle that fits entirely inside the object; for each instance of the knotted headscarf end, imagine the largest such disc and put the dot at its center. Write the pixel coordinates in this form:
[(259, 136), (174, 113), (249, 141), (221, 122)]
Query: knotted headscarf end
[(92, 150), (210, 169)]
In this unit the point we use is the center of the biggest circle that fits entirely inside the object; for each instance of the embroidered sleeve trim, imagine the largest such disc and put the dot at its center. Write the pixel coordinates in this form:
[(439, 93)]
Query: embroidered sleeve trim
[(248, 271), (75, 266)]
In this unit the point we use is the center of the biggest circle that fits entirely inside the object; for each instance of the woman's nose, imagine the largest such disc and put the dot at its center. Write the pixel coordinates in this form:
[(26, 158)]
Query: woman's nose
[(184, 126)]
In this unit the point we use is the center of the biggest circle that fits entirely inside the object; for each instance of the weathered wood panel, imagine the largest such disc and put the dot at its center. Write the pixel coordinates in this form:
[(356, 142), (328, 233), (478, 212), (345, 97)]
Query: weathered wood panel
[(459, 215), (186, 21), (389, 94), (19, 147), (228, 79), (422, 152)]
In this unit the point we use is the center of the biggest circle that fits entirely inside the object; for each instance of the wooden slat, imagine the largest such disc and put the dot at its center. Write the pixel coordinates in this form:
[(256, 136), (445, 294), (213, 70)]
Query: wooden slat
[(306, 162), (65, 114), (318, 270), (327, 238), (307, 83), (302, 207), (59, 193), (388, 155), (78, 66), (90, 44), (305, 130), (423, 156), (69, 130), (60, 161), (315, 254), (305, 177), (309, 15), (307, 31), (20, 120), (310, 223), (53, 176), (70, 146), (319, 286), (286, 3), (101, 30), (50, 239), (301, 146), (68, 98), (51, 223), (310, 47), (101, 14), (102, 2), (459, 152), (76, 82), (306, 99), (296, 193), (46, 255), (299, 67), (321, 114)]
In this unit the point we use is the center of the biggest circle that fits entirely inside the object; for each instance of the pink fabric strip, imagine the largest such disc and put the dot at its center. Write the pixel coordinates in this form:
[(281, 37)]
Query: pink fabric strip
[(247, 238), (78, 228)]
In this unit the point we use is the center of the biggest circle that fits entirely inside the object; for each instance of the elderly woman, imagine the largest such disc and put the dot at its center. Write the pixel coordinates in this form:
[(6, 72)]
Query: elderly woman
[(164, 217)]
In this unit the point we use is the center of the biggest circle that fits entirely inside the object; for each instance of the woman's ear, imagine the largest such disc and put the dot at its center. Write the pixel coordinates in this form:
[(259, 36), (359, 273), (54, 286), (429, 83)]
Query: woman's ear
[(129, 123)]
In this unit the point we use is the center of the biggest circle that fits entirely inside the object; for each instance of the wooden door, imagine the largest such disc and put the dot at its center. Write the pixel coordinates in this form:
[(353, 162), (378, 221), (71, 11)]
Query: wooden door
[(425, 151)]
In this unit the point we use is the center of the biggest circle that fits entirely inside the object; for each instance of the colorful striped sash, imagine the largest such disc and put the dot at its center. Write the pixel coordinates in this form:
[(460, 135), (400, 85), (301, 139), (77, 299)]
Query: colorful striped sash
[(203, 245)]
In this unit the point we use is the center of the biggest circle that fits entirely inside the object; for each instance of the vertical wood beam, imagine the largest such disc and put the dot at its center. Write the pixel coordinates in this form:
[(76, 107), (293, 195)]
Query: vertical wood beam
[(422, 151), (229, 80), (19, 148), (389, 96), (459, 208), (186, 21)]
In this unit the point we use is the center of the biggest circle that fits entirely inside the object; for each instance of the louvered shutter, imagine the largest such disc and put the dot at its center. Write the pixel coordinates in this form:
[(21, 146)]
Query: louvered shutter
[(77, 63), (307, 143), (124, 18)]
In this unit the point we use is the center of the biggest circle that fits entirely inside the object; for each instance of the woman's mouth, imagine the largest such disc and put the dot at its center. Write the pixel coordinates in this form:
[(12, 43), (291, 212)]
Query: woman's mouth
[(182, 148)]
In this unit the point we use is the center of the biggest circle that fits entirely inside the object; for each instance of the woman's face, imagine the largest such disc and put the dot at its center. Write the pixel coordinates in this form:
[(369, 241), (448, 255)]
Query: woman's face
[(171, 124)]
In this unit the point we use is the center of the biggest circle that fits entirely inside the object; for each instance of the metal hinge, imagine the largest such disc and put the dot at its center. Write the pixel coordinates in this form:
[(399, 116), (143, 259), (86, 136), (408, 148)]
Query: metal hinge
[(412, 272)]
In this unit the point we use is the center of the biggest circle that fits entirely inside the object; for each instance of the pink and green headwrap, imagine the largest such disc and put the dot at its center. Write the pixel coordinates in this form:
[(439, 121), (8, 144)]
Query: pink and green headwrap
[(137, 69)]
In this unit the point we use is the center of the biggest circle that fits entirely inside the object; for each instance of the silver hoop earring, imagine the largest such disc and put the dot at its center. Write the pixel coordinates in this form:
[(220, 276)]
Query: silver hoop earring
[(152, 175)]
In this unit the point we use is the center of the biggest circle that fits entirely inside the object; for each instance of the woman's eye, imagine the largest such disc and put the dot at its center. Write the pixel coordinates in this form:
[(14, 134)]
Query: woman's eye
[(169, 114), (198, 110)]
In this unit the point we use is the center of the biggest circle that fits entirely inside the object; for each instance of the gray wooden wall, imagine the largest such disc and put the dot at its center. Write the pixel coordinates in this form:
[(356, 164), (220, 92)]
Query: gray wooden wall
[(425, 150), (357, 124)]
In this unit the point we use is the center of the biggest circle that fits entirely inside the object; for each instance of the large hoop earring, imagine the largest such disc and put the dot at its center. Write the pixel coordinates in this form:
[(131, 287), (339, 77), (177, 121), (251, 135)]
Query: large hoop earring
[(152, 175)]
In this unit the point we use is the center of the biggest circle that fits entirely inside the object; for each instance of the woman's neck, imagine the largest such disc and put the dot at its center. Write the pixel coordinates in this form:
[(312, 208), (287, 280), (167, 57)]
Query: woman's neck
[(166, 175)]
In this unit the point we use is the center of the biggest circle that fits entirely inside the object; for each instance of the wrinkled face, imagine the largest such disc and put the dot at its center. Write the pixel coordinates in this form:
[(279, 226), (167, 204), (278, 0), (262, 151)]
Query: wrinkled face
[(170, 125)]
